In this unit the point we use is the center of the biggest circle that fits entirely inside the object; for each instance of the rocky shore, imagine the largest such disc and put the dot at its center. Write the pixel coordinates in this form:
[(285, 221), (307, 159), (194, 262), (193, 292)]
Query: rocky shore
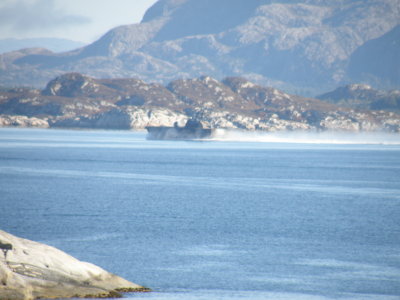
[(74, 100), (31, 270)]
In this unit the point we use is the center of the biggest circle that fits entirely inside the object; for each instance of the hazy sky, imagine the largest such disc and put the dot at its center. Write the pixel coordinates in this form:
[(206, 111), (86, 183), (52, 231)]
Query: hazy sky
[(79, 20)]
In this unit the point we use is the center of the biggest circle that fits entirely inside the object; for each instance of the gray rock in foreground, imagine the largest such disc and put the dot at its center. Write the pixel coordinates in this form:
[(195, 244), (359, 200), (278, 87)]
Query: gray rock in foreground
[(31, 270)]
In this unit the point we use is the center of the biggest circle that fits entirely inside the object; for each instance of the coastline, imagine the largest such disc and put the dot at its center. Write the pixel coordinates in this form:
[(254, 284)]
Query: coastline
[(31, 270)]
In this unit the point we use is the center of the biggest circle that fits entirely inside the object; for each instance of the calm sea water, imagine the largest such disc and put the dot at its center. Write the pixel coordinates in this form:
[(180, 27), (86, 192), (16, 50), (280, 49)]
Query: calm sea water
[(211, 220)]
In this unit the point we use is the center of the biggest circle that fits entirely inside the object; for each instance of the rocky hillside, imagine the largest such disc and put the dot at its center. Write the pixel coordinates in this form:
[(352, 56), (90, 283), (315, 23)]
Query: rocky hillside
[(77, 101), (362, 96), (377, 60), (303, 46)]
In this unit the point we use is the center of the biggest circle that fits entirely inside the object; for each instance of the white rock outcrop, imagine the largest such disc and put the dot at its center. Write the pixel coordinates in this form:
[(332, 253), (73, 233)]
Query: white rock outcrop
[(22, 121), (236, 103), (31, 270)]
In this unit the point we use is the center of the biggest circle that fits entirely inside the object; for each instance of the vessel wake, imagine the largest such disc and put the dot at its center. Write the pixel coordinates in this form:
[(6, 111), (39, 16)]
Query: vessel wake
[(302, 137)]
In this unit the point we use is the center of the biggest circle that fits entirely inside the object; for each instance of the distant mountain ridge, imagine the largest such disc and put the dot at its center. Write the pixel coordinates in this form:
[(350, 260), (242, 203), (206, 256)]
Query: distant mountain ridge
[(52, 44), (307, 46), (74, 100)]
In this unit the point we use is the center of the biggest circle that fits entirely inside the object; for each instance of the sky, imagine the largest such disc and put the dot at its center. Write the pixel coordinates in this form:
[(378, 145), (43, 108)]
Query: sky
[(78, 20)]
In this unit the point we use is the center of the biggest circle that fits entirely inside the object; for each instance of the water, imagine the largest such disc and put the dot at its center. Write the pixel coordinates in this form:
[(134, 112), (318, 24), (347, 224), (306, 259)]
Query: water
[(211, 220)]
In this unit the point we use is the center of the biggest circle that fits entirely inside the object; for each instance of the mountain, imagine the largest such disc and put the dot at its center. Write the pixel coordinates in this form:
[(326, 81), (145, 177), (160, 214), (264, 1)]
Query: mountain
[(74, 100), (53, 44), (378, 60), (306, 47), (362, 96)]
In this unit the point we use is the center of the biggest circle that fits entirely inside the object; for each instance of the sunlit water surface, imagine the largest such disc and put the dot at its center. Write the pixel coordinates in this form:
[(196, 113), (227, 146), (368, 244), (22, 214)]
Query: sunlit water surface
[(216, 219)]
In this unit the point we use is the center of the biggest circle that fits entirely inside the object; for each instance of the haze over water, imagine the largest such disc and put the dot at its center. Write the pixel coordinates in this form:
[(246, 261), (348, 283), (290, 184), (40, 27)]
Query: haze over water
[(215, 219)]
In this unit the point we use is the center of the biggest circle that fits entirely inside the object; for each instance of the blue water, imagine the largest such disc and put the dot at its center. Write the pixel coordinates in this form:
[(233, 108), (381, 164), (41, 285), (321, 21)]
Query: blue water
[(211, 220)]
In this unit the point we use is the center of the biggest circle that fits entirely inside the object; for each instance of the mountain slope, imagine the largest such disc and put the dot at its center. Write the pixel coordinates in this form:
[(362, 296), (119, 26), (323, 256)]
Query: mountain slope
[(383, 57), (309, 45), (76, 100), (361, 96)]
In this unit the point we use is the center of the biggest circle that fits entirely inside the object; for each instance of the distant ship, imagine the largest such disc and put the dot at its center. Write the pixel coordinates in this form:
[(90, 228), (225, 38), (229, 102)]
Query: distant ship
[(193, 130)]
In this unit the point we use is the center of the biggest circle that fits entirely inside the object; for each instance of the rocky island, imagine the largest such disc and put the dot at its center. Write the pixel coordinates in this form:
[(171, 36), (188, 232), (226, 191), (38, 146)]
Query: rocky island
[(31, 270), (75, 100)]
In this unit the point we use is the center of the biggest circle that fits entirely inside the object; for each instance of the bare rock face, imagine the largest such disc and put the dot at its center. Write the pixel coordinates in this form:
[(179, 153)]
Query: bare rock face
[(311, 44), (75, 85), (127, 117), (78, 101), (22, 121), (30, 270)]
